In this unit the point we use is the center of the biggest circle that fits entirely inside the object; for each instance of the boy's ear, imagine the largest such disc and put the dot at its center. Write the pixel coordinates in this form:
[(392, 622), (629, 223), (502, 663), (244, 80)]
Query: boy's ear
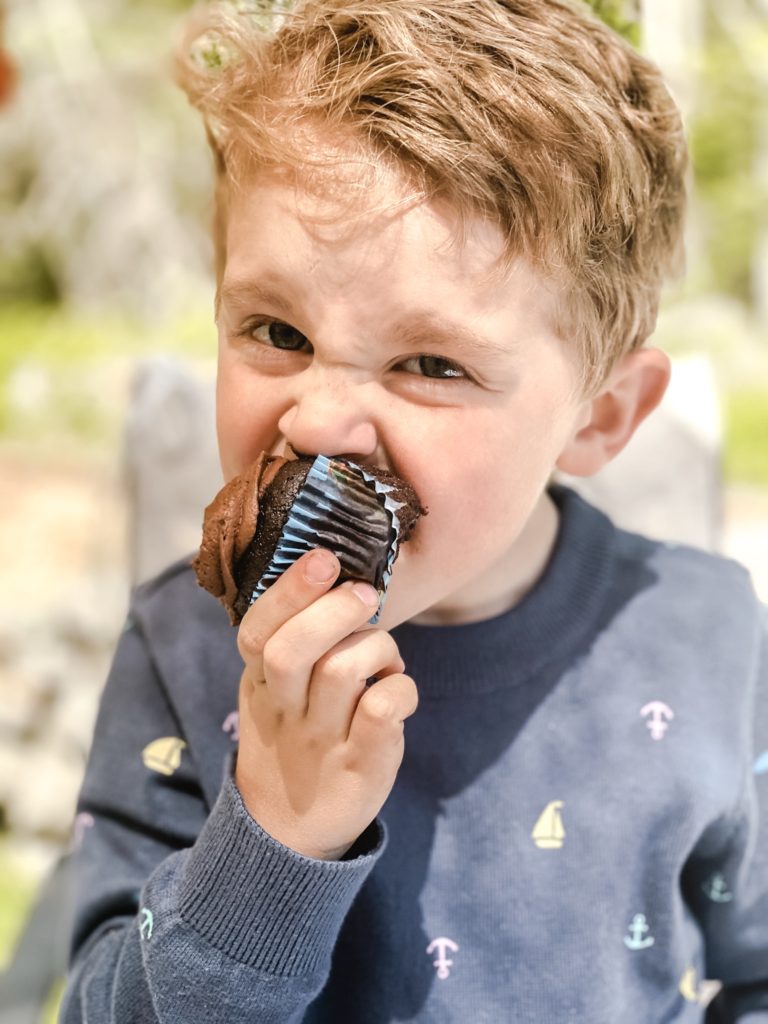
[(609, 419)]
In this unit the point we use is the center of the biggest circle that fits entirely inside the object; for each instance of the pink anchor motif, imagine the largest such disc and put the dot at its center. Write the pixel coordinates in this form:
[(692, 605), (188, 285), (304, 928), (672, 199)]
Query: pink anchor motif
[(442, 963), (231, 725), (83, 821), (658, 714)]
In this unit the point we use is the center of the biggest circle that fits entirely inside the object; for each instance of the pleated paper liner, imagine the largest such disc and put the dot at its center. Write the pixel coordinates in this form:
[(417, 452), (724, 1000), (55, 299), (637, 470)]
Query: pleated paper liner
[(344, 508)]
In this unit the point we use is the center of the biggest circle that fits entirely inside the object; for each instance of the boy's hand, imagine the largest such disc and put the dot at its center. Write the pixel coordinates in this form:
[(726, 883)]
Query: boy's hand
[(318, 752)]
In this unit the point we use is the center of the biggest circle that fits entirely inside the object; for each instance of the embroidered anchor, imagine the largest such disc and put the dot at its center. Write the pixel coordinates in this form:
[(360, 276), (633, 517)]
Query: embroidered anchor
[(548, 832), (638, 928), (689, 986), (442, 963), (231, 725), (83, 821), (659, 714), (147, 924), (717, 889)]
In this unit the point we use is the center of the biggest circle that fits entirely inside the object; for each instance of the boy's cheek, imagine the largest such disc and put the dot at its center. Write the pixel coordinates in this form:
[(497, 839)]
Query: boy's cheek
[(246, 424)]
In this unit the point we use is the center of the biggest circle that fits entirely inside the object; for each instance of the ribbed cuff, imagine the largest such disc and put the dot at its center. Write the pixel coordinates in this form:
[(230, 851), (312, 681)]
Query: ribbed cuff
[(261, 903)]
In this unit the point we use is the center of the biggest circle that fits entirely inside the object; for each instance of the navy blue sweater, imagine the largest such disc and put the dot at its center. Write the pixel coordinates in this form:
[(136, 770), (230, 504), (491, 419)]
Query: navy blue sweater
[(575, 834)]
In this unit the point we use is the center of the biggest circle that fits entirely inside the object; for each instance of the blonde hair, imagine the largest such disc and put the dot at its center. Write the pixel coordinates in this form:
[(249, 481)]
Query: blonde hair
[(530, 112)]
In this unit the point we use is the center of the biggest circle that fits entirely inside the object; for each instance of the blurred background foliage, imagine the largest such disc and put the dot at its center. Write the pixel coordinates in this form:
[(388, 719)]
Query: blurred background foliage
[(622, 15), (104, 206)]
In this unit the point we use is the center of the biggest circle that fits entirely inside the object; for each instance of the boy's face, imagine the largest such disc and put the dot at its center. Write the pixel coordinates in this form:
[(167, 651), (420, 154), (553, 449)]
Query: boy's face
[(387, 341)]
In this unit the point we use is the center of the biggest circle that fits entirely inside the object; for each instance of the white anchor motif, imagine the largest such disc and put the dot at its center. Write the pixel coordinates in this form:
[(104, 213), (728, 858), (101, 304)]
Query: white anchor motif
[(638, 928), (717, 889), (231, 725), (658, 714), (147, 923), (442, 963)]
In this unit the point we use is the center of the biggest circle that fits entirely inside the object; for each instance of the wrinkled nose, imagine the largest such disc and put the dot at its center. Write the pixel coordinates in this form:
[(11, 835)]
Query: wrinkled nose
[(329, 418)]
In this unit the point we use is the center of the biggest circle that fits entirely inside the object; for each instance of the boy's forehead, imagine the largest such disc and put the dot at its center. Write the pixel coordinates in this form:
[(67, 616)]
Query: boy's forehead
[(334, 196), (363, 210)]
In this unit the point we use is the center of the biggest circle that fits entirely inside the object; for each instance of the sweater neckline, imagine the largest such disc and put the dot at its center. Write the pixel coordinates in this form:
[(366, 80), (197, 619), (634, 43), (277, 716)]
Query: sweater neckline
[(548, 623)]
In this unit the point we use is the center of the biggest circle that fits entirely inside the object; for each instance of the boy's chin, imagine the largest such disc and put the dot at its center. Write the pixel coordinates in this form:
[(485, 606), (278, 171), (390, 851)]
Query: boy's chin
[(403, 602), (407, 602)]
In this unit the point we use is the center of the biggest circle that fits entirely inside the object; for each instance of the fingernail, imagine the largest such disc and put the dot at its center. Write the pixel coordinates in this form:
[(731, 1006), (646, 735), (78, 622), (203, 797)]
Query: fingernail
[(367, 594), (320, 567)]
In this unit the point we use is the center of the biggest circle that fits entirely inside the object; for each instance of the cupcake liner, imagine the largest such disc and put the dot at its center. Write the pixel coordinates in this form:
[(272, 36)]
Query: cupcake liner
[(339, 507)]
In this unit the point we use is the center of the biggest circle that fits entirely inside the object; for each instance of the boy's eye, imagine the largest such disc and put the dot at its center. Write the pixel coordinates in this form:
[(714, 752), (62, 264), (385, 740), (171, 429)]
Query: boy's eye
[(434, 367), (278, 335)]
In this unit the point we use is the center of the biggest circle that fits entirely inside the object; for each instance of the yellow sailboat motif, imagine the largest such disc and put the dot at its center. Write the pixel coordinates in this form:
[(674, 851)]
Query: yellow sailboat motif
[(689, 987), (163, 755), (548, 832)]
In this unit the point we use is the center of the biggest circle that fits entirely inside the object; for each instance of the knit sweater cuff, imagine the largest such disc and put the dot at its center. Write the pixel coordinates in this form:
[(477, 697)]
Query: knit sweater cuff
[(260, 902)]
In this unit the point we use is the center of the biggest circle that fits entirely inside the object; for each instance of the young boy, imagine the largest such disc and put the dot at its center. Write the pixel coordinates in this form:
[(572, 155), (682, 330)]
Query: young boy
[(442, 228)]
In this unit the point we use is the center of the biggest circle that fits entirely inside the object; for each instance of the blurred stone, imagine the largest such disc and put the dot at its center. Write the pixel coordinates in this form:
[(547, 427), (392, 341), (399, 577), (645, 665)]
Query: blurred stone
[(21, 703), (44, 793), (12, 753), (667, 483), (45, 667), (62, 538), (91, 622), (172, 466), (30, 856), (74, 715)]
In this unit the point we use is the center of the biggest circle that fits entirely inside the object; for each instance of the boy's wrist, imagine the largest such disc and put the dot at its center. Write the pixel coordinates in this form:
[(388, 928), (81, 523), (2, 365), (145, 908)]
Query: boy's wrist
[(262, 903)]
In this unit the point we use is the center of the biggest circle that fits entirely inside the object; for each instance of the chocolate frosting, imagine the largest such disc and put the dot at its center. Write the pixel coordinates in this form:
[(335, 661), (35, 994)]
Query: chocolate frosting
[(229, 526)]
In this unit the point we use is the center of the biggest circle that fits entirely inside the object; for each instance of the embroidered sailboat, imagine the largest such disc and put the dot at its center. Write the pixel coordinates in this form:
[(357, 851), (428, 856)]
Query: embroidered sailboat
[(548, 832), (163, 755), (689, 986)]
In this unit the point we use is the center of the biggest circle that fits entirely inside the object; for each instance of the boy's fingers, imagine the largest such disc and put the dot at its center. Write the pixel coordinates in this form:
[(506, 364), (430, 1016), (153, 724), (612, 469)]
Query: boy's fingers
[(381, 711), (339, 680), (290, 655), (301, 584)]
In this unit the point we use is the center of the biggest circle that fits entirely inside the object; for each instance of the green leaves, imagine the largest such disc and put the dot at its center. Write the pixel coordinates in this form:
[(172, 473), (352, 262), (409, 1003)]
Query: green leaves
[(623, 16)]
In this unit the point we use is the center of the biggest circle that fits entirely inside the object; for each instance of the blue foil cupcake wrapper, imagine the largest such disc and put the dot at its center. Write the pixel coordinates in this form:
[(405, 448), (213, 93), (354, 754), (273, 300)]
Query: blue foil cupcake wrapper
[(329, 511)]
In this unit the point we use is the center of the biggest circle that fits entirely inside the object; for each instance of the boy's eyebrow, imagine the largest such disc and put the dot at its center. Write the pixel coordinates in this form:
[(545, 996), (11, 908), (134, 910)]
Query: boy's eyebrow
[(255, 291), (415, 328), (426, 325)]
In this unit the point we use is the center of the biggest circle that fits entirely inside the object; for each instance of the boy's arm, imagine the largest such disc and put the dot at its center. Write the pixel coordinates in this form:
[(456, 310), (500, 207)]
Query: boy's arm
[(182, 915), (735, 916)]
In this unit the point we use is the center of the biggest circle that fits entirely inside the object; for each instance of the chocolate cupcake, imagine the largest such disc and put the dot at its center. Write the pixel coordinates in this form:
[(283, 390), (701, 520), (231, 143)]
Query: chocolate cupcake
[(261, 522)]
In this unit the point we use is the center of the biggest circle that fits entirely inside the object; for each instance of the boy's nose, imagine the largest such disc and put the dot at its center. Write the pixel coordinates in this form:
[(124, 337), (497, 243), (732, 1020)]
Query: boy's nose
[(327, 420)]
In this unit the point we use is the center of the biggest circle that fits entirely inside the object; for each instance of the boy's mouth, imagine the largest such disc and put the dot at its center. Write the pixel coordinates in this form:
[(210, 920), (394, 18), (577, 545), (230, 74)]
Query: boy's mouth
[(287, 451)]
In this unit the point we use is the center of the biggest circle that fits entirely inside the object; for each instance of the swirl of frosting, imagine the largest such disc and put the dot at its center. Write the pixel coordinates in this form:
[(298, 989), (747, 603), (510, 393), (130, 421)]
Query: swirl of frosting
[(229, 525)]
